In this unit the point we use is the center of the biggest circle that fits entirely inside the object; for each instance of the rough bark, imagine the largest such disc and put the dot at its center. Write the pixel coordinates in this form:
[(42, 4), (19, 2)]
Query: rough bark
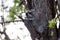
[(58, 4), (43, 12)]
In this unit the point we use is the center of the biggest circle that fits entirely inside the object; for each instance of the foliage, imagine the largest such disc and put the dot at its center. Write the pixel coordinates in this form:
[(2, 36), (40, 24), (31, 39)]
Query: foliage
[(12, 15), (16, 9), (52, 23), (16, 1)]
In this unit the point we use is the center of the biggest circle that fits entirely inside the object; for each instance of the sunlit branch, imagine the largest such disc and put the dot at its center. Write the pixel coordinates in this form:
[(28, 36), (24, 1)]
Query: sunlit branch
[(10, 21)]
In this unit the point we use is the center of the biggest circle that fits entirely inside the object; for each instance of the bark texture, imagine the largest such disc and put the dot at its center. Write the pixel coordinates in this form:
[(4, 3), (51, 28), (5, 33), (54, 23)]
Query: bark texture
[(43, 12)]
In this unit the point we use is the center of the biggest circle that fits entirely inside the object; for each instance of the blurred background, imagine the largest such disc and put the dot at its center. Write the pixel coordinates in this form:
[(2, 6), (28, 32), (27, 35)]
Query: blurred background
[(15, 30)]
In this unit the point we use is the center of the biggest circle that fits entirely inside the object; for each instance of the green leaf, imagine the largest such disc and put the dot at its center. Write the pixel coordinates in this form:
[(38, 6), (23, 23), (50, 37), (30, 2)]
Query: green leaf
[(52, 23), (16, 9), (11, 15), (13, 9), (22, 8), (16, 1)]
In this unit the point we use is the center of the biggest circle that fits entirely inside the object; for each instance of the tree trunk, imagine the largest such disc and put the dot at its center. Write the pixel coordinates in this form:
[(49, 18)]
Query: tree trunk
[(43, 12)]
